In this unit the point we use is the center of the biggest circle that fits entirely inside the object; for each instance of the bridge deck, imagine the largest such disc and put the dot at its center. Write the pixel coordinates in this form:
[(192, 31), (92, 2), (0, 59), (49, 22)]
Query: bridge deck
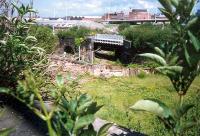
[(108, 39), (136, 21)]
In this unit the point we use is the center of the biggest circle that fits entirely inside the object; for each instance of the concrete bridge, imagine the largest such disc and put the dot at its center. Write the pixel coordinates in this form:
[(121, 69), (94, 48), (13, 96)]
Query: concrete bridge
[(135, 21)]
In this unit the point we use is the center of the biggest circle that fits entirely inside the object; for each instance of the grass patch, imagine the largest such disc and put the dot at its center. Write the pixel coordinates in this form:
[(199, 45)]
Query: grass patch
[(118, 94)]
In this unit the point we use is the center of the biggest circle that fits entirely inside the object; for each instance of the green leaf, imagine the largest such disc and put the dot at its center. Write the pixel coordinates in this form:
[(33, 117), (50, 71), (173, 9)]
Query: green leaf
[(166, 13), (154, 57), (103, 131), (72, 106), (83, 122), (175, 3), (187, 125), (159, 51), (30, 39), (69, 125), (183, 110), (93, 108), (3, 42), (83, 107), (89, 131), (153, 106), (192, 22), (175, 69), (6, 132), (187, 56), (195, 41), (166, 4), (4, 90), (59, 80), (84, 98)]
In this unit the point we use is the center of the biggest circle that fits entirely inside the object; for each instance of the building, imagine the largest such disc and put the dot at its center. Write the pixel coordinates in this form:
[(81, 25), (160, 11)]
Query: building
[(114, 16), (139, 14), (134, 14)]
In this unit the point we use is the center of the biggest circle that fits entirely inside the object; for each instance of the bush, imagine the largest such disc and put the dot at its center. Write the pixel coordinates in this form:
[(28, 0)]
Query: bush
[(46, 39), (141, 75), (18, 48), (75, 32), (123, 26), (142, 35)]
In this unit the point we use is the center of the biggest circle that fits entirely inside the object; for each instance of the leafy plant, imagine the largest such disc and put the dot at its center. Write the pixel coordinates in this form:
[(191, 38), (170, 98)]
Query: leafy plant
[(17, 47), (141, 75), (178, 61), (76, 117), (75, 114), (45, 38), (123, 26), (147, 36), (68, 115)]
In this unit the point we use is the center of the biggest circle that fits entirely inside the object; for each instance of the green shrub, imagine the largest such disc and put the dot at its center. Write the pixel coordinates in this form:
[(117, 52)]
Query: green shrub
[(141, 75), (147, 36), (123, 26), (75, 32), (18, 48), (46, 39), (179, 61)]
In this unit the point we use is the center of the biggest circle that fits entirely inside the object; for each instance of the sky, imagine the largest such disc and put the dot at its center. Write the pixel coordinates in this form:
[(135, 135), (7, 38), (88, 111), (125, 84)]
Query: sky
[(60, 8)]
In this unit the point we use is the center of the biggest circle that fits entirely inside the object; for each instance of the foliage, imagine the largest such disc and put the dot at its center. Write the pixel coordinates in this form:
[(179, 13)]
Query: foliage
[(76, 117), (147, 36), (17, 47), (68, 115), (5, 132), (179, 61), (141, 75), (75, 32), (79, 41), (78, 33), (45, 38), (123, 26), (117, 94)]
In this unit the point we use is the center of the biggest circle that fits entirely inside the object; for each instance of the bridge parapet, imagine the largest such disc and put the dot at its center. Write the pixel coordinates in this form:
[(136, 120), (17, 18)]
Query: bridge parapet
[(108, 39)]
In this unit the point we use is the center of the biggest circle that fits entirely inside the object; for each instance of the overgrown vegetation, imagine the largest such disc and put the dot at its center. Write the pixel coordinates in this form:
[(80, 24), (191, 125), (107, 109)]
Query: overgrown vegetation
[(179, 61), (45, 38), (18, 48), (145, 37), (78, 33), (70, 114), (74, 32), (117, 94)]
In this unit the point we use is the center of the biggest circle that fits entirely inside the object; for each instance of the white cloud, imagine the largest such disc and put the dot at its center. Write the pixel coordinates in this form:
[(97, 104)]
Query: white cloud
[(92, 7)]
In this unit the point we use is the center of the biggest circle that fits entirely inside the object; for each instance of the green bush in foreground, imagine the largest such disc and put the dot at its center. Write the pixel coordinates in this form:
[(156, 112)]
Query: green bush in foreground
[(18, 48), (180, 65), (45, 38)]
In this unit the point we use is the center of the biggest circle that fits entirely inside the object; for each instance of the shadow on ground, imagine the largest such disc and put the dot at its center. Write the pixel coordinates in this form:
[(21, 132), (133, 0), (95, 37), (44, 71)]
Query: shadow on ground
[(21, 119)]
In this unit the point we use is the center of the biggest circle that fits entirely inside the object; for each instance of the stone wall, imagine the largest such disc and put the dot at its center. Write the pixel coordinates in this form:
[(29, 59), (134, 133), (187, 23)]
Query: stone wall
[(59, 65)]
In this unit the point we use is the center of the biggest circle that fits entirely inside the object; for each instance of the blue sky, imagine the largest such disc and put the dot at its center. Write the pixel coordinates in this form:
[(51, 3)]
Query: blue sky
[(88, 7)]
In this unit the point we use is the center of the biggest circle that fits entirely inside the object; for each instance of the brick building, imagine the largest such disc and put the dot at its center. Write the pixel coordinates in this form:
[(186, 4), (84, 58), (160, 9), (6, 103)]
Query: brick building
[(139, 14), (114, 16), (132, 15)]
